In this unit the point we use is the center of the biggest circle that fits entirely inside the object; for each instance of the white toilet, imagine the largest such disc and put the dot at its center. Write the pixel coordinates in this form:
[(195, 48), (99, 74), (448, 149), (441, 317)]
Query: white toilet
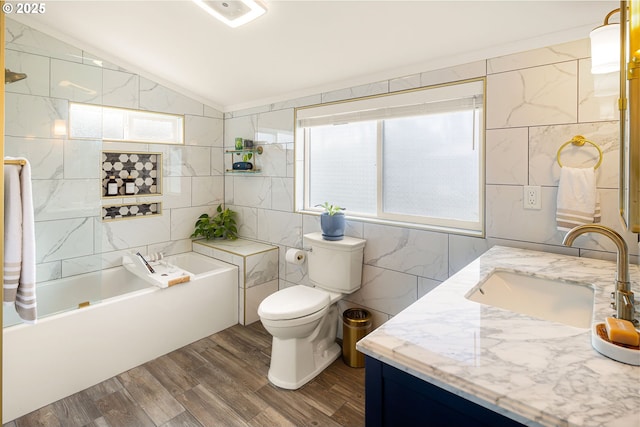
[(304, 320)]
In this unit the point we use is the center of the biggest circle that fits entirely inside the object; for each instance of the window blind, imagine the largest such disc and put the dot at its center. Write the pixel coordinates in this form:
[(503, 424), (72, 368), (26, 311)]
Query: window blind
[(413, 103)]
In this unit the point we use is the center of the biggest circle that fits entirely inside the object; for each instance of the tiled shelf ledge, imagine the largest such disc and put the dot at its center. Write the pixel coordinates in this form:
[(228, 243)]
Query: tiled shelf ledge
[(257, 271), (131, 211)]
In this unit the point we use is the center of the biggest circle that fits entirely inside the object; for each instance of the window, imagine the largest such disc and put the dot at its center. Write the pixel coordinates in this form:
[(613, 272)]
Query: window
[(119, 124), (413, 157)]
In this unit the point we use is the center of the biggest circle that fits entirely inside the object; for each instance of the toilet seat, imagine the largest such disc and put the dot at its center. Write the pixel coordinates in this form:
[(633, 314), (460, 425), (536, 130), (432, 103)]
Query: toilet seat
[(294, 302)]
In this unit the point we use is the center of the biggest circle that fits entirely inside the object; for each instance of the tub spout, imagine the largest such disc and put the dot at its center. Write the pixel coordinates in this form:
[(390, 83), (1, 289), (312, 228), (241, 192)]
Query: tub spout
[(623, 295)]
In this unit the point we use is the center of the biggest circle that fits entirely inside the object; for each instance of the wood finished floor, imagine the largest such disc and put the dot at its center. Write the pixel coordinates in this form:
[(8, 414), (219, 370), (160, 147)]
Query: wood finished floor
[(220, 380)]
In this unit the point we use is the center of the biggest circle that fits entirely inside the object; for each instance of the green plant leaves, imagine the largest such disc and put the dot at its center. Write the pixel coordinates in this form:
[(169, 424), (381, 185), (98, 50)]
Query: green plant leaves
[(222, 225), (330, 209)]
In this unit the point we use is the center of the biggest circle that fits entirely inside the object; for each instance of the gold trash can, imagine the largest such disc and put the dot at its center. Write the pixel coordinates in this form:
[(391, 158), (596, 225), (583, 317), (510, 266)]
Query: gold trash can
[(356, 323)]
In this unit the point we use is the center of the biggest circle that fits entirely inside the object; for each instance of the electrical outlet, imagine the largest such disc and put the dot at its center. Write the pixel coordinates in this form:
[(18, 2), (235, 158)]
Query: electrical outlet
[(532, 197)]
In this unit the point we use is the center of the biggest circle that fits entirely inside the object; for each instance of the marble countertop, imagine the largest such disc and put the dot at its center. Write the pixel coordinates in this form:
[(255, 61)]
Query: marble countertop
[(534, 371)]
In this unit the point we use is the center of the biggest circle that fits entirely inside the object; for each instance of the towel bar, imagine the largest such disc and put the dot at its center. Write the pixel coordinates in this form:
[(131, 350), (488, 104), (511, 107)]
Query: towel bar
[(579, 141), (20, 162)]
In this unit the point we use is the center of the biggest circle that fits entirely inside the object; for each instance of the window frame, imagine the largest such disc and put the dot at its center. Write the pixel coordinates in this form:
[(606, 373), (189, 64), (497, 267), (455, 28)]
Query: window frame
[(129, 116), (302, 172)]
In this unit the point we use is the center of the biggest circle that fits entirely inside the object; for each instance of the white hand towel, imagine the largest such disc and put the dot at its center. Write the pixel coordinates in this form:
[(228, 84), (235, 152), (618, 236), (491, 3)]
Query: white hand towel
[(19, 242), (578, 201)]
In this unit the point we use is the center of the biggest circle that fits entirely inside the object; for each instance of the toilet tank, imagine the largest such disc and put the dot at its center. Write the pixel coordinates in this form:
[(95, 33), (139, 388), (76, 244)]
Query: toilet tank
[(335, 265)]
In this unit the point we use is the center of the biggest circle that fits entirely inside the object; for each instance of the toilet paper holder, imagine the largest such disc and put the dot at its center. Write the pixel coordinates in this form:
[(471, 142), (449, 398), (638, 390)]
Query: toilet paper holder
[(296, 256)]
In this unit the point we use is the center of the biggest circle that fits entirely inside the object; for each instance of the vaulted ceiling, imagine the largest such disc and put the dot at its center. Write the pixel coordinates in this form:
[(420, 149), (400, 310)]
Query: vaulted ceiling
[(304, 47)]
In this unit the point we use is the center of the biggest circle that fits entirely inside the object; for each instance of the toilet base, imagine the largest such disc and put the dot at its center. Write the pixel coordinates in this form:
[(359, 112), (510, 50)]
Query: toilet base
[(321, 360), (301, 352)]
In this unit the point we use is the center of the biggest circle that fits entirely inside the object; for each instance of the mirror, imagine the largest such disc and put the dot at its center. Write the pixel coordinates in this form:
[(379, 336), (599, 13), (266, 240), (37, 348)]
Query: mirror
[(630, 115)]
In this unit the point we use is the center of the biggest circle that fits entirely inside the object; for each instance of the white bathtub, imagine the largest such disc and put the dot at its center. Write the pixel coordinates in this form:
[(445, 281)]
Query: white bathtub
[(127, 323)]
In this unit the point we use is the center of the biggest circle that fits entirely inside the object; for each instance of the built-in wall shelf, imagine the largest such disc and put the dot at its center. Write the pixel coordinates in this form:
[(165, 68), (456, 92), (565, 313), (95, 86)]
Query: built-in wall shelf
[(130, 211), (143, 168), (136, 174)]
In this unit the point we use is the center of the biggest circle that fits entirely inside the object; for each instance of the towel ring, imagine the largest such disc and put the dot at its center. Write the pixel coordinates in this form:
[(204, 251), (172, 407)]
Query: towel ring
[(579, 141)]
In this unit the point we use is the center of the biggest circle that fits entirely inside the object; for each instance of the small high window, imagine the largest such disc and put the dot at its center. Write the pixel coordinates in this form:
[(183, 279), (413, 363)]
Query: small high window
[(119, 124)]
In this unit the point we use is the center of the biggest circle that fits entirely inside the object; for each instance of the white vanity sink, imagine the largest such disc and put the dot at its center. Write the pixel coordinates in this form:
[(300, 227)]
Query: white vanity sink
[(560, 301)]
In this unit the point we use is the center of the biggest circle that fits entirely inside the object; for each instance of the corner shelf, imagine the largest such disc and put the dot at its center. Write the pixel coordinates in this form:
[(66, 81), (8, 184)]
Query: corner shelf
[(254, 151)]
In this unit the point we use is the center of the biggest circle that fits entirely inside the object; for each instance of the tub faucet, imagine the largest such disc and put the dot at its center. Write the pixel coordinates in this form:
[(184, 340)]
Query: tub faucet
[(623, 297)]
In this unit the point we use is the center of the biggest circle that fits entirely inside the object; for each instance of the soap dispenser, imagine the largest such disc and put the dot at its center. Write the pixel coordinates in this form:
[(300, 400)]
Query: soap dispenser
[(112, 186), (129, 186)]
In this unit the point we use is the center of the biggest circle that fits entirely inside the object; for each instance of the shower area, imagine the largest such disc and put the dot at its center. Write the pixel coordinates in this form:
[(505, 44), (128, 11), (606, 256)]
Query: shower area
[(79, 230), (64, 180), (86, 300), (12, 76)]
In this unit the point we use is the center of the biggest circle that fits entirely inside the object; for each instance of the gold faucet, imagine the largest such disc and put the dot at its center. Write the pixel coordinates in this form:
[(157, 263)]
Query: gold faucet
[(623, 296)]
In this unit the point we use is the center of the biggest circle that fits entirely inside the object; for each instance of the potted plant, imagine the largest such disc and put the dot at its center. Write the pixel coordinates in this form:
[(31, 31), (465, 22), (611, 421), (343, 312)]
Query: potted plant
[(220, 226), (332, 222)]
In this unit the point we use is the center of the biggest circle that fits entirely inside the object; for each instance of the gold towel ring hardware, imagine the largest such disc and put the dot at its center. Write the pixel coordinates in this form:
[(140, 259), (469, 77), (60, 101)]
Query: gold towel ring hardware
[(579, 141)]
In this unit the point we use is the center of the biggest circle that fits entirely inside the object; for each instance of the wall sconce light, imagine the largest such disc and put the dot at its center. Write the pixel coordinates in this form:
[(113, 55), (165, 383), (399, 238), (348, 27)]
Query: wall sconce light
[(233, 12), (60, 127), (67, 83), (605, 46)]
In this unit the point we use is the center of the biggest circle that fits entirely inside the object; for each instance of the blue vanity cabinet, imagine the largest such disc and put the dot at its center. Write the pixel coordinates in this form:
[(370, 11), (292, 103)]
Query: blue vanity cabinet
[(395, 398)]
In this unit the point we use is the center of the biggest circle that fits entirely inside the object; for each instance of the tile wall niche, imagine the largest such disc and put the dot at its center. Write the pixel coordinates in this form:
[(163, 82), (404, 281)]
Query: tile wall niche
[(145, 175), (71, 236), (143, 168), (536, 101)]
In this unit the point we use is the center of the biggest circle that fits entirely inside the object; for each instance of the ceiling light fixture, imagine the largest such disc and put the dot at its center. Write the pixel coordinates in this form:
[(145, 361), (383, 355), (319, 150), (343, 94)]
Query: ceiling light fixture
[(233, 12), (605, 46)]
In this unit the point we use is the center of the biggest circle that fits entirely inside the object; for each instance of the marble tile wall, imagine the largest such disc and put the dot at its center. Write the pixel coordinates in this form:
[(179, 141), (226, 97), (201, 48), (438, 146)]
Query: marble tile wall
[(536, 101), (71, 237)]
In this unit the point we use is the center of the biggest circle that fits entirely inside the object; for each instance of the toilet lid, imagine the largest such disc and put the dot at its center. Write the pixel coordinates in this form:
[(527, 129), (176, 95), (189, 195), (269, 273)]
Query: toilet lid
[(293, 302)]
